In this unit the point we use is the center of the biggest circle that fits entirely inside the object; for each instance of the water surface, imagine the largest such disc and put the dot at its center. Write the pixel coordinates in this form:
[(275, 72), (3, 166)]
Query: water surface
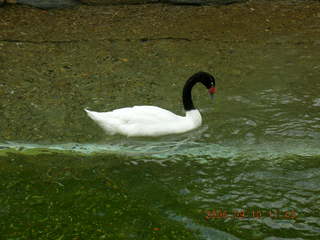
[(252, 171)]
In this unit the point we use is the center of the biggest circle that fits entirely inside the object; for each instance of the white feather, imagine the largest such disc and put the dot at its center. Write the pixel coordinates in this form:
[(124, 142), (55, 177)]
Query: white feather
[(145, 121)]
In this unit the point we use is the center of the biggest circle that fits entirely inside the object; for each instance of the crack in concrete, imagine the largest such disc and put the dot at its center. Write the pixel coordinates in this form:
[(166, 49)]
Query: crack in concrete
[(144, 40), (105, 39)]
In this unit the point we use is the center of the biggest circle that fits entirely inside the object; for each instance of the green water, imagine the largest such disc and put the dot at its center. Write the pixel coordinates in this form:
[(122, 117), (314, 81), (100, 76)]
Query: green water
[(252, 171), (120, 191)]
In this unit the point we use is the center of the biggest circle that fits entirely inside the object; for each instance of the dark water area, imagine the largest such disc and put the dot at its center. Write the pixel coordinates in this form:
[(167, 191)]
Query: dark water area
[(251, 171)]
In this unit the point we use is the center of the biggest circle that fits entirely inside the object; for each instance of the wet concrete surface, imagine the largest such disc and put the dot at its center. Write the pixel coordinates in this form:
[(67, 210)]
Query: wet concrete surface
[(55, 63)]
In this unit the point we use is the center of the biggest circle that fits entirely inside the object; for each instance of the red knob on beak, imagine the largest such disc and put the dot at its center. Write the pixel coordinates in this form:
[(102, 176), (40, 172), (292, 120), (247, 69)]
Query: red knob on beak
[(212, 90)]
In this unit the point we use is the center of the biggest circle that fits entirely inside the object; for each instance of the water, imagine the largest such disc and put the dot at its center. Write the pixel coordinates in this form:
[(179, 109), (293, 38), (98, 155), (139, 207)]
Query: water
[(252, 171), (192, 188)]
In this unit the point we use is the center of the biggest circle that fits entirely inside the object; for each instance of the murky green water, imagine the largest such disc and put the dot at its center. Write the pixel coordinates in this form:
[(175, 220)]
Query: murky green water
[(252, 171)]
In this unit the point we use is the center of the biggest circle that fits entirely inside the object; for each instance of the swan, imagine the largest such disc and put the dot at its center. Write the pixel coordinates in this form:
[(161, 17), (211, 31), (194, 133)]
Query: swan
[(152, 121)]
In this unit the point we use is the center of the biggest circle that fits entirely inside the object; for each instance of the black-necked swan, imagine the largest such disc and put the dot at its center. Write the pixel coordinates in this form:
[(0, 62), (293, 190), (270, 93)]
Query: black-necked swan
[(139, 121)]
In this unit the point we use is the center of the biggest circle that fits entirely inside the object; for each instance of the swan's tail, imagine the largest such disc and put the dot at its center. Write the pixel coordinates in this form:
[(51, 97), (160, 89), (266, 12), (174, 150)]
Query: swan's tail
[(91, 114), (108, 124), (95, 116)]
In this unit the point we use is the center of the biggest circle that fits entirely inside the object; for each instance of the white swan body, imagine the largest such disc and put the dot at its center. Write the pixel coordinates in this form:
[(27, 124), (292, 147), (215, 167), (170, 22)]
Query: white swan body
[(149, 121)]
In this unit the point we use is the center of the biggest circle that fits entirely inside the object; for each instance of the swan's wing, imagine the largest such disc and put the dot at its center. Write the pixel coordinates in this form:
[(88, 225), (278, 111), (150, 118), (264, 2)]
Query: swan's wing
[(141, 114), (141, 121)]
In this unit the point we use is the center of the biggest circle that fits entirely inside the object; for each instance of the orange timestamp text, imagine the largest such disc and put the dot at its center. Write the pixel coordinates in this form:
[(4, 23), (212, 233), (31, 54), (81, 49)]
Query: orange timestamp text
[(250, 213)]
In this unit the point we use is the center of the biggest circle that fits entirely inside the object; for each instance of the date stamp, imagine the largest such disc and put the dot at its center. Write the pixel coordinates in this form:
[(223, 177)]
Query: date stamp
[(250, 213)]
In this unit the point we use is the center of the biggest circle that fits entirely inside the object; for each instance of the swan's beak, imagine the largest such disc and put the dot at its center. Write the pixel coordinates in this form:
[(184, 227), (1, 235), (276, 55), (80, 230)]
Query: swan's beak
[(212, 91)]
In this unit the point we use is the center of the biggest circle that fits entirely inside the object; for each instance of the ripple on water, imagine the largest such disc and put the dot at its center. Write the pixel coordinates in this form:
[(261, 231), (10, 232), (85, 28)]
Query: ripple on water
[(277, 179)]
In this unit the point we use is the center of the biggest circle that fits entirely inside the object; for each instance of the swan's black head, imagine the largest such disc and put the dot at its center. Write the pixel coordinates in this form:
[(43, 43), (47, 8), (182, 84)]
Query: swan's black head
[(203, 77)]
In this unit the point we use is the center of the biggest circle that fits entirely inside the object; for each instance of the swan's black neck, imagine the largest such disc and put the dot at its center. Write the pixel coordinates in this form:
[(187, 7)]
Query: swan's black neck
[(187, 97), (205, 78)]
